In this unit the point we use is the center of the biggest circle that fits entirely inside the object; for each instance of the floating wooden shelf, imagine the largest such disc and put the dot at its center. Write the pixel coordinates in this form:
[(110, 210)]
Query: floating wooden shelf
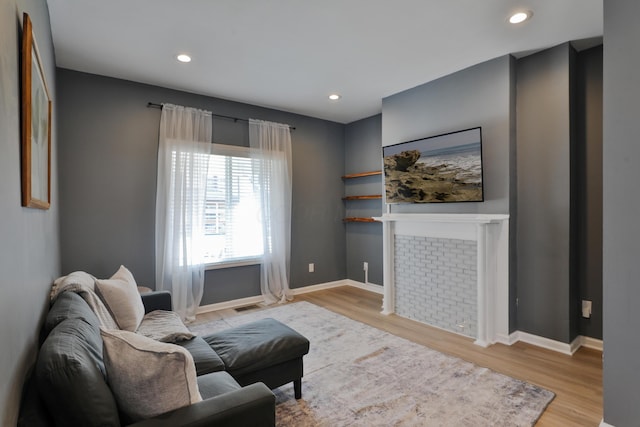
[(366, 197), (356, 219), (361, 174), (363, 197)]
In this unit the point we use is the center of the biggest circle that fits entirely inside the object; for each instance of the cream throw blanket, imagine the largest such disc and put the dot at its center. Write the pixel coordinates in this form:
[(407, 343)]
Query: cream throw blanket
[(84, 284), (164, 326)]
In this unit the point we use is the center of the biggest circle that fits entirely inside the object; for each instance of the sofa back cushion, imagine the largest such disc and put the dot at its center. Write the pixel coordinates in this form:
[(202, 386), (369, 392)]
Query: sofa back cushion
[(69, 305), (70, 375)]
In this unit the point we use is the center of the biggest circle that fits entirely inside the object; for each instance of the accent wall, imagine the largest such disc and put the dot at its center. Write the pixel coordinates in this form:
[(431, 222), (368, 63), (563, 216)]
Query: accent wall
[(108, 159)]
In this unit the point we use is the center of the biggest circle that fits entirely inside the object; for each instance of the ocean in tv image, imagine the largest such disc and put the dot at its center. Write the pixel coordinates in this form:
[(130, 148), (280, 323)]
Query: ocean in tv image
[(443, 168)]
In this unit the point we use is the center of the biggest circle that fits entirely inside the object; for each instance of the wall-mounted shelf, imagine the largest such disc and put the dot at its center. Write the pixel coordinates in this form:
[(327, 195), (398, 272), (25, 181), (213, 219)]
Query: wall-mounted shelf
[(361, 174), (362, 197), (367, 197), (358, 219)]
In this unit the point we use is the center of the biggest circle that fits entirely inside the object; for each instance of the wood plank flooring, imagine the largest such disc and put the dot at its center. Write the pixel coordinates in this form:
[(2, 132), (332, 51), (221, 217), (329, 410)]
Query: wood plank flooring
[(576, 380)]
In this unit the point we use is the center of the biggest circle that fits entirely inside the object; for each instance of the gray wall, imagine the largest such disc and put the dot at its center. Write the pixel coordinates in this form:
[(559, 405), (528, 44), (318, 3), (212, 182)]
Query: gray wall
[(29, 243), (482, 95), (476, 96), (108, 158), (589, 151), (364, 240), (621, 210), (544, 193)]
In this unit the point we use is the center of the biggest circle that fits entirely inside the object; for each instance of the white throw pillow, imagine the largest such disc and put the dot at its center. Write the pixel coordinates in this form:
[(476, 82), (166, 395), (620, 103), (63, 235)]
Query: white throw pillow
[(147, 377), (120, 295)]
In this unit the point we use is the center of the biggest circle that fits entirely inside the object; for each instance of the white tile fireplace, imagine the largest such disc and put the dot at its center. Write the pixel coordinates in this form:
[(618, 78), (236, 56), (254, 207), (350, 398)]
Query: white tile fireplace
[(450, 271)]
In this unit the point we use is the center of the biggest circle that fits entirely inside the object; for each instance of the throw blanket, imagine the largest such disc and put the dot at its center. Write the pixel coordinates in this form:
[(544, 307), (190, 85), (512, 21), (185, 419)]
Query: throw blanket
[(164, 326), (160, 325), (84, 285)]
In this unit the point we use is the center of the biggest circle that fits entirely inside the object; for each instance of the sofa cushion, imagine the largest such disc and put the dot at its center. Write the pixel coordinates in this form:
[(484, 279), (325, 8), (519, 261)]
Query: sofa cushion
[(216, 383), (164, 326), (147, 377), (69, 305), (120, 295), (257, 345), (204, 357), (70, 375)]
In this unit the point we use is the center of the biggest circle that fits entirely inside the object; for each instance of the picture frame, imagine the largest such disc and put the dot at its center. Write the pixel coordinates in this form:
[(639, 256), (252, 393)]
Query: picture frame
[(444, 168), (36, 124)]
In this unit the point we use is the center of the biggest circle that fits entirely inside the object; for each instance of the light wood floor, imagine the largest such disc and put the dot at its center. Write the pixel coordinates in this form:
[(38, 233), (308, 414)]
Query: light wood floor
[(576, 380)]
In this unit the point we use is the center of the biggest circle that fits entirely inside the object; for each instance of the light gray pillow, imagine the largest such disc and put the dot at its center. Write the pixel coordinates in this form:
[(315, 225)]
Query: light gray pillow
[(120, 295), (147, 377)]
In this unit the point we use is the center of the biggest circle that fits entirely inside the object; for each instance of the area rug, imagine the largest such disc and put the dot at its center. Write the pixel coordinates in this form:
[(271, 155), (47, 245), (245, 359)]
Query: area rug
[(357, 375)]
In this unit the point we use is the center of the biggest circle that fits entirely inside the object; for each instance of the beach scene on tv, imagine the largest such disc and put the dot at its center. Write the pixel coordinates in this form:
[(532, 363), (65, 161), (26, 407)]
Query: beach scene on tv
[(439, 169)]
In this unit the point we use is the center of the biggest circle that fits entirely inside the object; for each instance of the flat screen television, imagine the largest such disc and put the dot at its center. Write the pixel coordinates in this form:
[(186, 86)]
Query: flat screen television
[(437, 169)]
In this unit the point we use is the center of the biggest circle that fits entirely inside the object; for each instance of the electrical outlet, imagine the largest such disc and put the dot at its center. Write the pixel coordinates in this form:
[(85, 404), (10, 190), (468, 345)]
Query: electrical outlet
[(586, 309), (365, 266), (312, 267)]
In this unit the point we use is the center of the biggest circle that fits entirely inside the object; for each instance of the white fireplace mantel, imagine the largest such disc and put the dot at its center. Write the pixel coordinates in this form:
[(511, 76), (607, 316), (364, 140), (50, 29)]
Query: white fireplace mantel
[(491, 234)]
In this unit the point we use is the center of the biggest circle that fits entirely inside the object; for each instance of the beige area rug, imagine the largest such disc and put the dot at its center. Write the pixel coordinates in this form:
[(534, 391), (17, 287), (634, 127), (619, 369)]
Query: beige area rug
[(357, 375)]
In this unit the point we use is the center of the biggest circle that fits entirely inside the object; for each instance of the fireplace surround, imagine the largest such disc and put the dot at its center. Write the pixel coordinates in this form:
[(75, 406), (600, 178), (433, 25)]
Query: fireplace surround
[(443, 250)]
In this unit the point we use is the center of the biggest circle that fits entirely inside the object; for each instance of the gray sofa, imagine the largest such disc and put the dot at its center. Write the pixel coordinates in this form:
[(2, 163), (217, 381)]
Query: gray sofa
[(68, 386)]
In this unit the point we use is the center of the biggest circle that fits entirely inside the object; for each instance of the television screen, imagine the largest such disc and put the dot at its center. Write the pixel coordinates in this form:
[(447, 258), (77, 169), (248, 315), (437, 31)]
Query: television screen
[(437, 169)]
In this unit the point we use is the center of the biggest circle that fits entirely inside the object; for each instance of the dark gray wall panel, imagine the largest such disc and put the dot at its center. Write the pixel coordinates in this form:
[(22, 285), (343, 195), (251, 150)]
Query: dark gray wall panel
[(363, 153), (589, 186), (29, 242), (543, 152), (621, 210), (109, 159)]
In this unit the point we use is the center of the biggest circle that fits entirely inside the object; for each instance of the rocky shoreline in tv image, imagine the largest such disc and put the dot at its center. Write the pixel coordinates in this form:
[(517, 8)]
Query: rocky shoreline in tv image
[(411, 177)]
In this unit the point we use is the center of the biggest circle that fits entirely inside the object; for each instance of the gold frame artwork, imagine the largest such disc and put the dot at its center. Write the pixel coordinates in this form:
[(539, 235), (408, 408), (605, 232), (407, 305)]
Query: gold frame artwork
[(36, 125)]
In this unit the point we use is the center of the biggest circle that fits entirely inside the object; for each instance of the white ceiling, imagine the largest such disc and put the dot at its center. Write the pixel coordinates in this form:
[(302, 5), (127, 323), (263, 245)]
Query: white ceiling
[(291, 54)]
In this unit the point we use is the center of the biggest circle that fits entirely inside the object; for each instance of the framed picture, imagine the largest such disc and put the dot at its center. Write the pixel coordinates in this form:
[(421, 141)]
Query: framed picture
[(36, 125), (437, 169)]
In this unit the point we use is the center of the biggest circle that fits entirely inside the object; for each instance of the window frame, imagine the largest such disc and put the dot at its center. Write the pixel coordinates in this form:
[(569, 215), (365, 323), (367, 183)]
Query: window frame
[(232, 151)]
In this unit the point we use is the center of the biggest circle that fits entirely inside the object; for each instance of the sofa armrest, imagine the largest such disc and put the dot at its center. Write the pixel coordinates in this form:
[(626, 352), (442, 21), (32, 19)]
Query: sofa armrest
[(250, 406), (156, 300)]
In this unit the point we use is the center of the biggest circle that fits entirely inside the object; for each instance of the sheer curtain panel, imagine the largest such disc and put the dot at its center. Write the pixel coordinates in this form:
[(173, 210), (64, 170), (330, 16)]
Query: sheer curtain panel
[(183, 159), (271, 150)]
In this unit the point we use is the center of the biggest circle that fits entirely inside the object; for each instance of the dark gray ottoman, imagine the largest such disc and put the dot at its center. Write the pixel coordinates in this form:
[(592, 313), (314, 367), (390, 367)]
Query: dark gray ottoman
[(263, 351)]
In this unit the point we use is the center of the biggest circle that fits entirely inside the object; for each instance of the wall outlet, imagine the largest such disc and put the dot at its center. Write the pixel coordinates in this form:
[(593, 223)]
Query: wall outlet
[(312, 267), (586, 309), (365, 266)]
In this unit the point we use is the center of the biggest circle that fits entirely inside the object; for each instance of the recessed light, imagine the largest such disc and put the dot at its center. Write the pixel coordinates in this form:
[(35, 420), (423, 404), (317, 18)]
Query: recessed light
[(334, 97), (521, 16), (183, 58)]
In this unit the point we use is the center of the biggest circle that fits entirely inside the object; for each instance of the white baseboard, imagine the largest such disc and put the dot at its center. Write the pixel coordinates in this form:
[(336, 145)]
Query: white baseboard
[(549, 344), (510, 339), (319, 287), (371, 287), (543, 342), (241, 302), (603, 424), (592, 343)]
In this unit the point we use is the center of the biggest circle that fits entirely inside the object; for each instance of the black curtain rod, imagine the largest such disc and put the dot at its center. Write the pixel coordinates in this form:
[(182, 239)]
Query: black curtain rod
[(235, 119)]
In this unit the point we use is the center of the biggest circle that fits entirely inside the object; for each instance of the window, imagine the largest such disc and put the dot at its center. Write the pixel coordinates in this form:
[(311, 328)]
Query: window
[(233, 227)]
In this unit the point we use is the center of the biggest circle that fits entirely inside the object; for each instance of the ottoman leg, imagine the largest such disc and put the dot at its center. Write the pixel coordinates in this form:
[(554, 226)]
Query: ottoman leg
[(297, 388)]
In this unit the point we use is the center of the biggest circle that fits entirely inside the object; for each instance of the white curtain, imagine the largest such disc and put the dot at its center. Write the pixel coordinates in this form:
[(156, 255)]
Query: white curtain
[(183, 159), (271, 150)]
